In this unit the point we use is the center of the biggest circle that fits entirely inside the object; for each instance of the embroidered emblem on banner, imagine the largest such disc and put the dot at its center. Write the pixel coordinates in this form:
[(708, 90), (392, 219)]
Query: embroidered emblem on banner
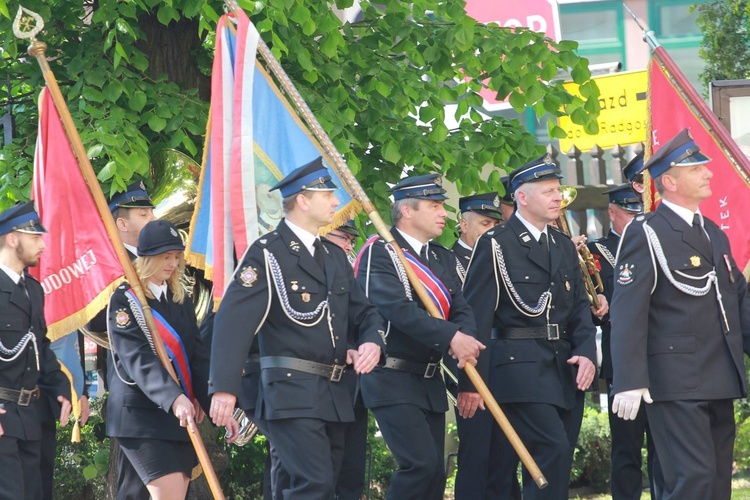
[(627, 274), (248, 276), (122, 318)]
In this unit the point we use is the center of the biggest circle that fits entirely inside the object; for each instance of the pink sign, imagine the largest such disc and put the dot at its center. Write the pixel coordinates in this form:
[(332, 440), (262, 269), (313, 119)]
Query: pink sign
[(538, 15)]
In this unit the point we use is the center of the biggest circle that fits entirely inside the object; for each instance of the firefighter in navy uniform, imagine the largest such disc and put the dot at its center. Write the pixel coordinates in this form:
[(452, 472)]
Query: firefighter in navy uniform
[(25, 357), (479, 213), (627, 436), (131, 210), (298, 293), (351, 481), (407, 394), (680, 323), (525, 287)]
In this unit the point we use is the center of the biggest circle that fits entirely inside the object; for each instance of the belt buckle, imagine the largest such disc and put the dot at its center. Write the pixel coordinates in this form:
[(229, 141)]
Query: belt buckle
[(429, 372), (553, 332), (24, 399), (336, 373)]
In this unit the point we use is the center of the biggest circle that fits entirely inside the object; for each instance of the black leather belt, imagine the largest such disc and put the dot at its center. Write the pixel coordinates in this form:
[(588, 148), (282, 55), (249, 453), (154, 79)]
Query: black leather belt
[(24, 397), (426, 370), (331, 372), (549, 332)]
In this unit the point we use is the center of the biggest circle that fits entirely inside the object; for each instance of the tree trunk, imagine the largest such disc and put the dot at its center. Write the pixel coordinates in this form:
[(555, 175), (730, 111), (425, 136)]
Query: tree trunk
[(199, 489), (171, 51)]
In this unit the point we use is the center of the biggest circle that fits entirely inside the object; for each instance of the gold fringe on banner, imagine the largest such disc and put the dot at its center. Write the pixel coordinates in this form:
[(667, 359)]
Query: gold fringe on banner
[(75, 434), (68, 325)]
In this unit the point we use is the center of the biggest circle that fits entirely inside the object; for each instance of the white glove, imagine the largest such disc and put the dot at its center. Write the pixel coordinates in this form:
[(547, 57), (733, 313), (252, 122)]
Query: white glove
[(626, 404)]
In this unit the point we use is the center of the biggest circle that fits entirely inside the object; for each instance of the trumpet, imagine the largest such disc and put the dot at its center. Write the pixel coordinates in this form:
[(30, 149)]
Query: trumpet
[(592, 281)]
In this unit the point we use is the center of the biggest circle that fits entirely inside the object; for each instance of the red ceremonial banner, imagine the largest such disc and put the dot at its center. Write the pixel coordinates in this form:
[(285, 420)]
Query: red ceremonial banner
[(729, 203), (79, 269)]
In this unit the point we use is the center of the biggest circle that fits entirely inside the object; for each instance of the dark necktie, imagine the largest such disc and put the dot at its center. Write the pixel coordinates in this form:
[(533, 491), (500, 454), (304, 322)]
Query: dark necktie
[(423, 252), (701, 235), (319, 258), (543, 243), (24, 292)]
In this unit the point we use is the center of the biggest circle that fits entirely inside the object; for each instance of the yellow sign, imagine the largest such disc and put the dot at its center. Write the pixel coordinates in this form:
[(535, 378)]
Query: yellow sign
[(622, 120)]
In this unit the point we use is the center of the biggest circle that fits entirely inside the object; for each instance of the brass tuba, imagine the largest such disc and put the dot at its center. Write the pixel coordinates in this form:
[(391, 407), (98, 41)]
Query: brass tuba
[(589, 271)]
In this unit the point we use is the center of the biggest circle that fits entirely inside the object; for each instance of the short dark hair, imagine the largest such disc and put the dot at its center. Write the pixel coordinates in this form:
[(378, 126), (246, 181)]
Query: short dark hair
[(290, 201)]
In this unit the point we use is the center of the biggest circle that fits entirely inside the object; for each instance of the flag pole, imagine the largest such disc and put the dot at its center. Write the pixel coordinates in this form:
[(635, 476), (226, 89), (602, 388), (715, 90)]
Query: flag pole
[(37, 49), (355, 190)]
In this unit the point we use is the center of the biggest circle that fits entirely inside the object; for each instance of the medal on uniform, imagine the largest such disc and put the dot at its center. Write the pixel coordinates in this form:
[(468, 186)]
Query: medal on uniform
[(567, 285), (695, 261), (295, 286), (305, 297), (729, 268)]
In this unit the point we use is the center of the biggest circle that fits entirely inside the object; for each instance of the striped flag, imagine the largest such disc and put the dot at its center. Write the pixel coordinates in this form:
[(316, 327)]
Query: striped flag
[(253, 139)]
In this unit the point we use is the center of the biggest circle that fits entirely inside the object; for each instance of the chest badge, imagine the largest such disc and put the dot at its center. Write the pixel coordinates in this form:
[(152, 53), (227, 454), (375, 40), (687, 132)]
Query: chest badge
[(627, 274), (567, 285), (305, 297), (695, 261), (248, 276), (295, 286)]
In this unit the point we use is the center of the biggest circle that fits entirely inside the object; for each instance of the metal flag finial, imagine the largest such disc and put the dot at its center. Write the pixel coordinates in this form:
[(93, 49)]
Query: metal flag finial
[(27, 24)]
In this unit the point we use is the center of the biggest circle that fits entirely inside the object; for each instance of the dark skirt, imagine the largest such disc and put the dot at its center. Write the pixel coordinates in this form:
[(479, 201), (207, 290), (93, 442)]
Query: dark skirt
[(155, 458)]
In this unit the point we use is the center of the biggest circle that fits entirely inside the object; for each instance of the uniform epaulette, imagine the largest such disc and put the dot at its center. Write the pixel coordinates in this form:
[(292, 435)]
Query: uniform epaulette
[(497, 229), (641, 218), (29, 276), (267, 238), (555, 228)]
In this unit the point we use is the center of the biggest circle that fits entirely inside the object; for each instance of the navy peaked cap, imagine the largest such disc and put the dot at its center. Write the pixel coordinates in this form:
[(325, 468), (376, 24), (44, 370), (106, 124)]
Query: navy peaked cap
[(484, 204), (422, 187), (21, 217), (624, 197), (135, 196), (634, 168), (680, 151), (540, 169), (312, 176), (349, 227)]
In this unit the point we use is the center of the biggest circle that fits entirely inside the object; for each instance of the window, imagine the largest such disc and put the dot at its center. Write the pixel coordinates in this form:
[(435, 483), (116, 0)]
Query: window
[(674, 25), (598, 27)]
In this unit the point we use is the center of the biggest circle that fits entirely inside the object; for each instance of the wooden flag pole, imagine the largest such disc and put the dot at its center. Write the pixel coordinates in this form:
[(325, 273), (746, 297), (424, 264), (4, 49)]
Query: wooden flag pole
[(355, 190), (37, 49)]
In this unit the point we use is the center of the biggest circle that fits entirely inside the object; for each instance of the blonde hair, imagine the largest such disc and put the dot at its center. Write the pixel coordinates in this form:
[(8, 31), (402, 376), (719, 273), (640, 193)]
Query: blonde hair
[(147, 266)]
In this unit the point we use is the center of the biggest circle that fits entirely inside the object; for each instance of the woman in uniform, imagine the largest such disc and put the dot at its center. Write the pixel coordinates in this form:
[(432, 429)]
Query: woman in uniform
[(147, 409)]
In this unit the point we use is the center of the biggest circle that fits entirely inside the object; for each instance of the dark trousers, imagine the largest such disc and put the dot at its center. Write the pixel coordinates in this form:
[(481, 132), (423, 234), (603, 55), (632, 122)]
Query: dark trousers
[(543, 428), (129, 484), (694, 442), (627, 441), (310, 451), (48, 450), (481, 476), (20, 477), (351, 480), (416, 437)]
